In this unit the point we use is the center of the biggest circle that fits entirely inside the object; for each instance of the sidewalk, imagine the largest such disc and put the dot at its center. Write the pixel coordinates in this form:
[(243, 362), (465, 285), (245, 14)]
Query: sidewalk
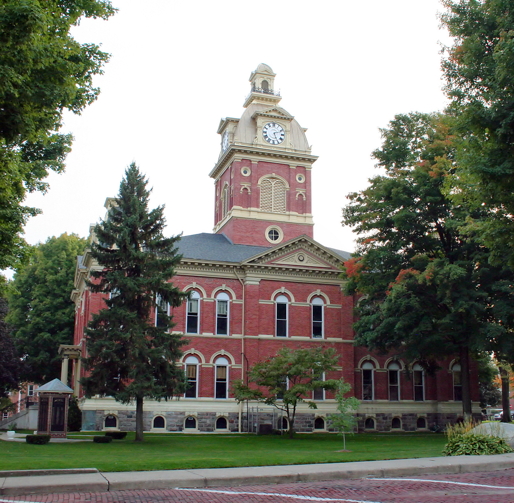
[(91, 480)]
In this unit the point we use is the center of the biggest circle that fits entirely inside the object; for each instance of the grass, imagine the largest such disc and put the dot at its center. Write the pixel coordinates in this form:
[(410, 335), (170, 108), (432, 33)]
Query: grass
[(178, 451)]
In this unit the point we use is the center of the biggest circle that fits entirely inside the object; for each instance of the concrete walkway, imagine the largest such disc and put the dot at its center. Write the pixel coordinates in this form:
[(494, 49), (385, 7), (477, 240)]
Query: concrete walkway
[(17, 483)]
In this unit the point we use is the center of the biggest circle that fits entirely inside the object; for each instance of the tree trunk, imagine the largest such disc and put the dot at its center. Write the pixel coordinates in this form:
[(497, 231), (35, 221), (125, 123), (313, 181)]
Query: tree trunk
[(504, 374), (139, 419), (465, 382)]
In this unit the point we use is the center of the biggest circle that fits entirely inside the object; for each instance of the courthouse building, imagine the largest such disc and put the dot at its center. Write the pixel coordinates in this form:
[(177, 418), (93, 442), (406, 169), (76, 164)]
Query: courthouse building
[(258, 283)]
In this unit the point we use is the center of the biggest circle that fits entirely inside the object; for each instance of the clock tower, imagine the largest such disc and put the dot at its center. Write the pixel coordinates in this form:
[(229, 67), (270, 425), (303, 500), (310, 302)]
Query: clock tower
[(263, 173)]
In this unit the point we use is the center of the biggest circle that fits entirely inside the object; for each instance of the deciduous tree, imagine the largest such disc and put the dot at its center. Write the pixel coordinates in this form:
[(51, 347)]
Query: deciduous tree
[(40, 309), (289, 378), (43, 72), (10, 362), (129, 356), (344, 421)]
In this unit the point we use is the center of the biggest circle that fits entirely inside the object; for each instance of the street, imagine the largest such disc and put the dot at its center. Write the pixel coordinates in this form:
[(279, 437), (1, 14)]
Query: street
[(490, 487)]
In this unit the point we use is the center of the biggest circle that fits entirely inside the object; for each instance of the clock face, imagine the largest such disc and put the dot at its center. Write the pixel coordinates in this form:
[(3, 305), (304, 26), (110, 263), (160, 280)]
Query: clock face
[(273, 133), (224, 141)]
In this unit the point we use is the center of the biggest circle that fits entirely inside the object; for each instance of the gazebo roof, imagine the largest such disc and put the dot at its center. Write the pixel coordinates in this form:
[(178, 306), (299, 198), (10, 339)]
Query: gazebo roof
[(55, 386)]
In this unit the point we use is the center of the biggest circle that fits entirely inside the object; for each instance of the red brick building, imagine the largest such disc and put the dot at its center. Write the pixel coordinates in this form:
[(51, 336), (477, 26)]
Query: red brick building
[(261, 282)]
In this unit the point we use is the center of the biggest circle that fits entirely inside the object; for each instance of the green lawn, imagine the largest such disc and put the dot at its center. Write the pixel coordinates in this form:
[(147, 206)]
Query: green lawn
[(178, 451)]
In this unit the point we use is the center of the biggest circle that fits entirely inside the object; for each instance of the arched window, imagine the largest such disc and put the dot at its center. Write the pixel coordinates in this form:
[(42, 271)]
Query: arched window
[(273, 195), (421, 423), (221, 384), (190, 422), (110, 421), (281, 312), (193, 313), (162, 309), (393, 373), (222, 313), (369, 424), (368, 387), (283, 424), (396, 423), (221, 423), (192, 377), (159, 422), (317, 318), (265, 86), (319, 423), (457, 382), (224, 201), (418, 377)]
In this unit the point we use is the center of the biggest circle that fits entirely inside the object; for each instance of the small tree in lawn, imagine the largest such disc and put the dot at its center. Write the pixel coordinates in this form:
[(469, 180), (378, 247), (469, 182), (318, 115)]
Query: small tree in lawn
[(344, 421), (130, 357), (289, 378)]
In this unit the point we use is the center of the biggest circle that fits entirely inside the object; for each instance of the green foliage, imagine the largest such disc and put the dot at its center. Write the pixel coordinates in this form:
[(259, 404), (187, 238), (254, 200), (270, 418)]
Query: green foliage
[(10, 363), (6, 405), (41, 311), (478, 72), (44, 71), (74, 415), (116, 435), (490, 395), (129, 357), (429, 291), (288, 378), (473, 444), (102, 440), (37, 439), (344, 421)]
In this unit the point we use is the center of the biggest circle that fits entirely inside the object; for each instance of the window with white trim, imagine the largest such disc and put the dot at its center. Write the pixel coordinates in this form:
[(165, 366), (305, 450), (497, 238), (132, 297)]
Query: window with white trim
[(393, 373), (317, 318), (319, 393), (368, 384), (418, 378), (273, 195), (191, 369), (457, 382), (221, 373), (222, 313), (162, 310), (281, 312), (193, 313)]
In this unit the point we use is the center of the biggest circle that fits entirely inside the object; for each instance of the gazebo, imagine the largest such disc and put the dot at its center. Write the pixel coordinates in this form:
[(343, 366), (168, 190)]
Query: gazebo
[(54, 398)]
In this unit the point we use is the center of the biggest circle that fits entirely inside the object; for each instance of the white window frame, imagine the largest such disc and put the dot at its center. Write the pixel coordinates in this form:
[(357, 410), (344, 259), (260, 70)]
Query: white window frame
[(194, 296), (221, 362), (192, 361), (320, 390), (221, 298), (393, 369), (368, 366), (281, 300), (457, 369), (158, 305), (318, 302), (417, 371)]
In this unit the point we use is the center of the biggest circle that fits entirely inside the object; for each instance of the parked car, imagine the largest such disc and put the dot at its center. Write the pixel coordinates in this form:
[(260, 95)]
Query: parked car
[(499, 416)]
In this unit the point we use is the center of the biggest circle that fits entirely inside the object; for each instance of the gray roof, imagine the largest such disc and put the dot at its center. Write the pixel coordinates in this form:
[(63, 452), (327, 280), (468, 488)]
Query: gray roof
[(55, 386), (216, 247)]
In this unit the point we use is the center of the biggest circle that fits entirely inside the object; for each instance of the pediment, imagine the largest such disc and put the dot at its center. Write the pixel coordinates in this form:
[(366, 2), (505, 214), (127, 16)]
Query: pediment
[(274, 113), (299, 253)]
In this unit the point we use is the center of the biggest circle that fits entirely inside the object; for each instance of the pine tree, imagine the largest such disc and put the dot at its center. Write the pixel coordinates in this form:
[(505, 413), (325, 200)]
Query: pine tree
[(130, 355)]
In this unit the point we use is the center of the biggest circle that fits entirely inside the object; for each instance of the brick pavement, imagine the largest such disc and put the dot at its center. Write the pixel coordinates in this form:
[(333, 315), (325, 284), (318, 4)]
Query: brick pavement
[(462, 488)]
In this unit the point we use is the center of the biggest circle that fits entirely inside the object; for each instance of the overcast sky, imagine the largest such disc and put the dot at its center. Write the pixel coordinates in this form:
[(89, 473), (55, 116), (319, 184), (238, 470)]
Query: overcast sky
[(344, 69)]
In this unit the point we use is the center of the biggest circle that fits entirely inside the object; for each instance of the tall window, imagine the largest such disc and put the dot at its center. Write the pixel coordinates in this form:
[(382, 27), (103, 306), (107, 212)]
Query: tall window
[(319, 393), (161, 308), (222, 314), (281, 387), (192, 377), (224, 201), (193, 313), (457, 382), (317, 318), (273, 195), (418, 377), (393, 372), (368, 390), (281, 308), (221, 385)]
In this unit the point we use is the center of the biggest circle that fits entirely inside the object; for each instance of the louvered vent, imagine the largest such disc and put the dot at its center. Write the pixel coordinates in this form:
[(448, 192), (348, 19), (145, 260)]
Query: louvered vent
[(273, 195)]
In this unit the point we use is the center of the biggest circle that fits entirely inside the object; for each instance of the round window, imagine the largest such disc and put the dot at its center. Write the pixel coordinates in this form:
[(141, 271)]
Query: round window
[(246, 171), (274, 234), (300, 178)]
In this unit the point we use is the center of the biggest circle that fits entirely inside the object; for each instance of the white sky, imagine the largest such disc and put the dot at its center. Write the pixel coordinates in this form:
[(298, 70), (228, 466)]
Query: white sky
[(344, 69)]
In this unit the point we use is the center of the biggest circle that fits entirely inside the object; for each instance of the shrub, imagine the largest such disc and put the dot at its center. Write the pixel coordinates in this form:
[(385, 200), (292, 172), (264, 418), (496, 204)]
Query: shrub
[(116, 435), (74, 415), (474, 444), (37, 439), (102, 440)]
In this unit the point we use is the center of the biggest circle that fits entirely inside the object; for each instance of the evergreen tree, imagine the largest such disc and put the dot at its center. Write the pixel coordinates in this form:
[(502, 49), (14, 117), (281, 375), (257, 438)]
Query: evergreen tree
[(131, 357), (40, 309)]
